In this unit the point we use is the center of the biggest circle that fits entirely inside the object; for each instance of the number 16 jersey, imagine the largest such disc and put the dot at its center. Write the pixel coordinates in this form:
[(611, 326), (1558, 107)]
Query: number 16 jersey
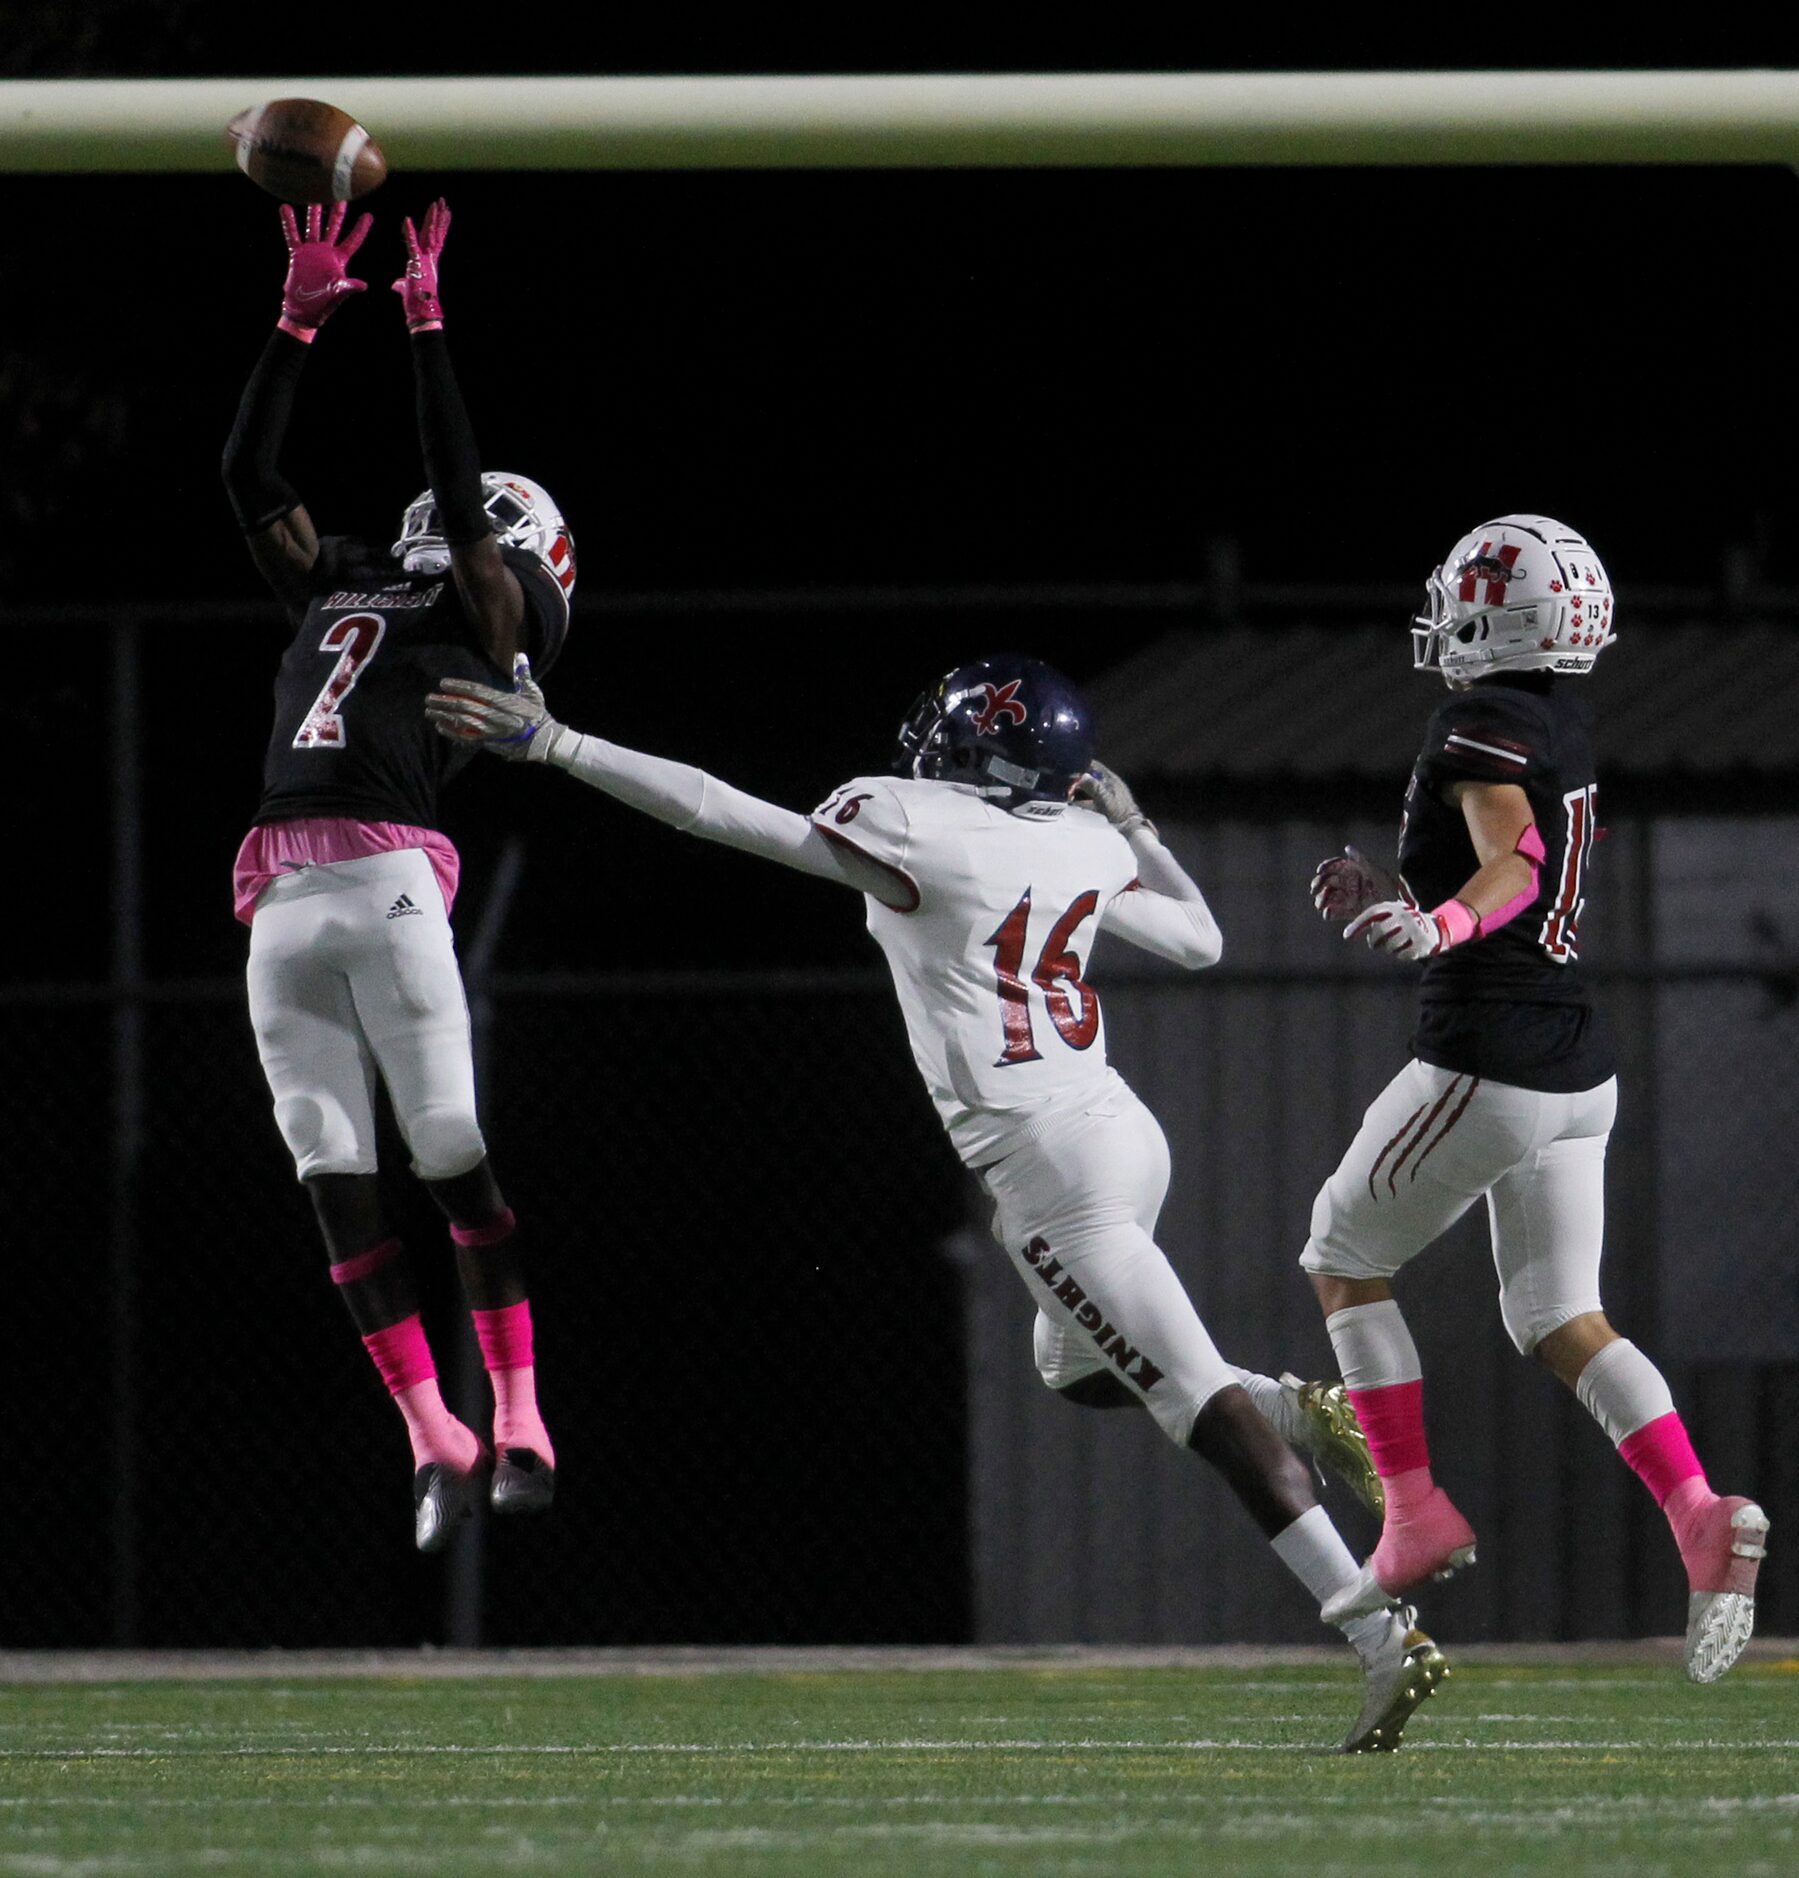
[(987, 927)]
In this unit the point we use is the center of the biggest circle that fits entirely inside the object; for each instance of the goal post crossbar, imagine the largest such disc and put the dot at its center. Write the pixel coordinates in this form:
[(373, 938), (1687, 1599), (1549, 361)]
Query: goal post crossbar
[(1011, 120)]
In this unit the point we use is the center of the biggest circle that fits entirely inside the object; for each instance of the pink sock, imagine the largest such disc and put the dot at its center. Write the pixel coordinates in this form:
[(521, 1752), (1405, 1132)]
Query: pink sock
[(403, 1358), (1393, 1420), (1662, 1457), (506, 1349)]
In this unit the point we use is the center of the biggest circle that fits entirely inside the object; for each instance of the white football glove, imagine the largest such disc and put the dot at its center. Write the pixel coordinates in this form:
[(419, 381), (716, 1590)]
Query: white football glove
[(512, 724), (1104, 789), (1400, 930), (1349, 883)]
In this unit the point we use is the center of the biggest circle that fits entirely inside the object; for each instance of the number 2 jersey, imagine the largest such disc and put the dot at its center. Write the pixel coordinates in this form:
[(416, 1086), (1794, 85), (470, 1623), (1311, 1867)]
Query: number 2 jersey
[(987, 927), (1511, 1007), (351, 738)]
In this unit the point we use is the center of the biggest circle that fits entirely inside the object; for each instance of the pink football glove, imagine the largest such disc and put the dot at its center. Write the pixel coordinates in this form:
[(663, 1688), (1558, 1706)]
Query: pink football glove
[(318, 280), (1349, 883), (417, 287)]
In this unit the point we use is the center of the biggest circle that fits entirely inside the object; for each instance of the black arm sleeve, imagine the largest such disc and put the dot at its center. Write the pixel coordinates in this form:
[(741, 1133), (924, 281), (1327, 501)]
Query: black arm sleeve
[(452, 466), (259, 493)]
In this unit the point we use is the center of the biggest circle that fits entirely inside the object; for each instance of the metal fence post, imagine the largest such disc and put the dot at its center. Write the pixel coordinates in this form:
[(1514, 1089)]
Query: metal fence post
[(127, 1012), (465, 1579)]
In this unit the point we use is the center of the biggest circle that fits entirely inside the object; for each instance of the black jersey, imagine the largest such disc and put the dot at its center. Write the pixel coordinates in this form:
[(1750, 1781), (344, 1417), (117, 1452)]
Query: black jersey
[(351, 737), (1512, 1006)]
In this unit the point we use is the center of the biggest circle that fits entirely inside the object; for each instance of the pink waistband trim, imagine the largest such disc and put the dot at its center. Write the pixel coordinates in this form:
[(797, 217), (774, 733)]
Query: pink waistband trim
[(279, 848)]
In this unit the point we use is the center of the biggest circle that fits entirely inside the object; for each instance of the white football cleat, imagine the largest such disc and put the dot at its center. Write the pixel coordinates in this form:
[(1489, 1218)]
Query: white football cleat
[(1361, 1597), (1402, 1673)]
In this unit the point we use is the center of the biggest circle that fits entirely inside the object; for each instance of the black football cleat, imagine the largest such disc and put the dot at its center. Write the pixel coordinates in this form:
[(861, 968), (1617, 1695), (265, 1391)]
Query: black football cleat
[(442, 1499), (523, 1482)]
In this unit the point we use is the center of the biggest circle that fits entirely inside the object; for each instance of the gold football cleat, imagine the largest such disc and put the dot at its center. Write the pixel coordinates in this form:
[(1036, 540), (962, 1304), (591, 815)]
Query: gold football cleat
[(1403, 1675), (1334, 1438)]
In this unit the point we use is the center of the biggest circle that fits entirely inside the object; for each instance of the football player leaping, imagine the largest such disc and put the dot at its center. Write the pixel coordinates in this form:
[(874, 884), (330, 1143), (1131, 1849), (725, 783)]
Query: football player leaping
[(345, 879), (1512, 1092), (984, 886)]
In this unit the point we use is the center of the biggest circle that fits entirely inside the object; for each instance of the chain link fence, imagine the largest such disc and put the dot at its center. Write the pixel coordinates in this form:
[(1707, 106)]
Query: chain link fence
[(764, 1347), (752, 1337), (748, 1344)]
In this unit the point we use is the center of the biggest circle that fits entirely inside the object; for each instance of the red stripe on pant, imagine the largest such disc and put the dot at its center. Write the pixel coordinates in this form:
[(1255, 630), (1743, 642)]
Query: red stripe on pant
[(1461, 1108), (1443, 1102), (1388, 1149)]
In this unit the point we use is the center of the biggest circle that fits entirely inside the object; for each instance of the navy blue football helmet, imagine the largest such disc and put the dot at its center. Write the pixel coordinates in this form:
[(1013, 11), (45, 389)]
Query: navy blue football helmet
[(1015, 728)]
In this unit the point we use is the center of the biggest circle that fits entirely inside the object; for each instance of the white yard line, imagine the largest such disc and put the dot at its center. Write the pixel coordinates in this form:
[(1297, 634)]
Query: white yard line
[(398, 1750), (111, 1666)]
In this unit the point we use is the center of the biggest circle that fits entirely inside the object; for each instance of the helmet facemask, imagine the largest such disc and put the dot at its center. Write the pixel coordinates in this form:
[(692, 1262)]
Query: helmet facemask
[(520, 512)]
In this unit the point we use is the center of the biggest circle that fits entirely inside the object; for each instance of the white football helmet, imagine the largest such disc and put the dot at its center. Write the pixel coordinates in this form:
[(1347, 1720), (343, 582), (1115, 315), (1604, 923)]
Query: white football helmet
[(523, 516), (1519, 594)]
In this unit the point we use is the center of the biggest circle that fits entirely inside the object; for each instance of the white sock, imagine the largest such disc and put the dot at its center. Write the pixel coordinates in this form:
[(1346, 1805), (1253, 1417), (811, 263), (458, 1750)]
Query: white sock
[(1374, 1348), (1622, 1390), (1313, 1551), (1274, 1405)]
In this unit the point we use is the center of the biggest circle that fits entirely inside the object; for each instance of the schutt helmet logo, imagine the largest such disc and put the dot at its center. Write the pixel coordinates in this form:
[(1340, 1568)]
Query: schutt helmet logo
[(1002, 702)]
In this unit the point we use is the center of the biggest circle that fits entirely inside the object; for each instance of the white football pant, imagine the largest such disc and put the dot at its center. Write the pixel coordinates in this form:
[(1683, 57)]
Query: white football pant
[(1433, 1143), (353, 974), (1077, 1208)]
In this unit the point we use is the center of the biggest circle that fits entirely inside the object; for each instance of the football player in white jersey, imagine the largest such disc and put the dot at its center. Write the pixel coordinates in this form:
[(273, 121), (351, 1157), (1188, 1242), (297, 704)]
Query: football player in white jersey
[(989, 860)]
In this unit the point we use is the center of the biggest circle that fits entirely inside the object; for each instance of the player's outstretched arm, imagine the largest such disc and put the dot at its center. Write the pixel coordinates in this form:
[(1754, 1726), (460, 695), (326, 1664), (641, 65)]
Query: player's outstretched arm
[(487, 587), (1165, 913), (280, 534), (517, 724), (1503, 829)]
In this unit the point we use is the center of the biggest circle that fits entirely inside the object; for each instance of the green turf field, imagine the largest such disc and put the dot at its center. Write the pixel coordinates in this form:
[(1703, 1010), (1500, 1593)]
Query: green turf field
[(978, 1771)]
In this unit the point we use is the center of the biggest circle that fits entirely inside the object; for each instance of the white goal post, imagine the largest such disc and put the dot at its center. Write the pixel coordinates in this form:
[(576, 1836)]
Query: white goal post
[(1022, 120)]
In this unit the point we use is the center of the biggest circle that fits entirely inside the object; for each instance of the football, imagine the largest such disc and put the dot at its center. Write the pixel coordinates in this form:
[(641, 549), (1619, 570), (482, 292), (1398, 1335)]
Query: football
[(304, 151)]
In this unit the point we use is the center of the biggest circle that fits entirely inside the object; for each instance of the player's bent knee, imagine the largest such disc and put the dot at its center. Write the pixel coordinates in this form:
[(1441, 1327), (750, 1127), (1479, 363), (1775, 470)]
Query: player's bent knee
[(446, 1143), (1099, 1391), (1062, 1357), (321, 1138), (1528, 1323)]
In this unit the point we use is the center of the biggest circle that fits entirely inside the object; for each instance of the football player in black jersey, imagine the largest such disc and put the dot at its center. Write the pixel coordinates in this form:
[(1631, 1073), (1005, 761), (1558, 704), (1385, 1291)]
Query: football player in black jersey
[(1511, 1093), (346, 880)]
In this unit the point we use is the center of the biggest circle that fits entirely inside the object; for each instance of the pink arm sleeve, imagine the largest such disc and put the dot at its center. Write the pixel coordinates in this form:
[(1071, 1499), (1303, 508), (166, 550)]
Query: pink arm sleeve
[(1457, 918), (1530, 845)]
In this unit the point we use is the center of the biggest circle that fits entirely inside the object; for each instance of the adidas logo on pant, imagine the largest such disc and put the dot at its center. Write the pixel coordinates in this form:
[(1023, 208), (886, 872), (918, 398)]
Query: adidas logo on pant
[(402, 906)]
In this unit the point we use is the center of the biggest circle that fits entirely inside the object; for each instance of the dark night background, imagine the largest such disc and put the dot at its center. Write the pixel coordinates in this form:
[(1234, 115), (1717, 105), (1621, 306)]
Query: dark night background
[(887, 380), (747, 384)]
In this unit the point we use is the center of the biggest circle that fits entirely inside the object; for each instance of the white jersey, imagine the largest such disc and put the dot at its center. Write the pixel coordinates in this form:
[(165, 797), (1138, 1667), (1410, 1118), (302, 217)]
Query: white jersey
[(987, 929)]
